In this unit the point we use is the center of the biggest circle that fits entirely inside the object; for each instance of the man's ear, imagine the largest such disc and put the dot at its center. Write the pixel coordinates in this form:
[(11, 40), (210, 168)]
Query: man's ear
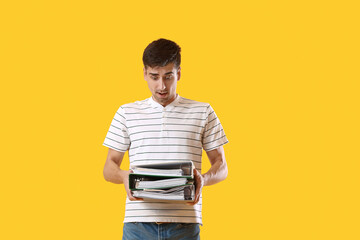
[(144, 69), (179, 73)]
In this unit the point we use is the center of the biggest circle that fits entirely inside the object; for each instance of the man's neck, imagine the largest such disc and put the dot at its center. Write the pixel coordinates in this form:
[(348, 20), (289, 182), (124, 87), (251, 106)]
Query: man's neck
[(167, 103)]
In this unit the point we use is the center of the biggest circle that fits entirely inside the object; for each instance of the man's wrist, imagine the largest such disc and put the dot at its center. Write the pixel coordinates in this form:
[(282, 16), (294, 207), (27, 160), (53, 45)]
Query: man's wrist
[(123, 175), (205, 178)]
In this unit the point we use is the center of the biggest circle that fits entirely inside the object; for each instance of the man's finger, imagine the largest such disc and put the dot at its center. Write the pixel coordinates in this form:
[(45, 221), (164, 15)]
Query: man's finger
[(192, 203), (131, 198)]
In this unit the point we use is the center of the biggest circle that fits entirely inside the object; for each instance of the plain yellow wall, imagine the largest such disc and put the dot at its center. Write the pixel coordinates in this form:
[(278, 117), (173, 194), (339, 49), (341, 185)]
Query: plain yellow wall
[(283, 77)]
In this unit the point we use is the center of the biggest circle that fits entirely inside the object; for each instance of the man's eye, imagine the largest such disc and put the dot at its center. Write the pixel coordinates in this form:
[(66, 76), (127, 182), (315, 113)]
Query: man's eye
[(168, 77), (154, 78)]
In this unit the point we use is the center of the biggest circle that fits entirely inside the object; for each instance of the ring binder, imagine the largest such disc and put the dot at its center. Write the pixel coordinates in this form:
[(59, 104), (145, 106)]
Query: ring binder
[(166, 181)]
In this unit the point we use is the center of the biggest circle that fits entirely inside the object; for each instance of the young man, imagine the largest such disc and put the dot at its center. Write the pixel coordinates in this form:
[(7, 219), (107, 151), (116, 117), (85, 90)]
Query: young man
[(161, 128)]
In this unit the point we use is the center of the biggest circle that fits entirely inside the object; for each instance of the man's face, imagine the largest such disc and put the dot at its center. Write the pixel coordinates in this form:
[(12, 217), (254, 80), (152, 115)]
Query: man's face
[(162, 82)]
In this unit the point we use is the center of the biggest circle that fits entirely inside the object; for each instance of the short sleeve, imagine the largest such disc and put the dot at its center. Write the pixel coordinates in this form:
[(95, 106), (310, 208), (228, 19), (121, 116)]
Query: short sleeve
[(214, 135), (117, 137)]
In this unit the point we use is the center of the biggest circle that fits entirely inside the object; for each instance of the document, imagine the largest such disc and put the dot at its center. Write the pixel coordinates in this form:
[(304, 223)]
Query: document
[(163, 172), (163, 183), (177, 193), (176, 168)]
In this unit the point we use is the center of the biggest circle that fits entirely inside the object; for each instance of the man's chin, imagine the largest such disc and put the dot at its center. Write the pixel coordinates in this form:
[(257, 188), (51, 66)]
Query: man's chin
[(161, 100)]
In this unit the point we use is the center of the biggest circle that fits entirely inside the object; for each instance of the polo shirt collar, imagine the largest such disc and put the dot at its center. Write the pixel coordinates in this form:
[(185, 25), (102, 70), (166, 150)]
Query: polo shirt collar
[(158, 105)]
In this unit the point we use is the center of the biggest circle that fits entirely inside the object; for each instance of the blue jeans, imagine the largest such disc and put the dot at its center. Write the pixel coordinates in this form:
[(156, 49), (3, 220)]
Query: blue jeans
[(164, 231)]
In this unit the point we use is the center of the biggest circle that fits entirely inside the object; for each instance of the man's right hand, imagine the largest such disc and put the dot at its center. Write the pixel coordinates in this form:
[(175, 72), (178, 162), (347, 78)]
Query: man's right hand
[(114, 174), (126, 185)]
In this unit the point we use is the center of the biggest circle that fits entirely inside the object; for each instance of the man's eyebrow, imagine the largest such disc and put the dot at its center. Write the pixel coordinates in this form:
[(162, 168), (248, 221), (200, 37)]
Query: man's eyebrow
[(155, 74)]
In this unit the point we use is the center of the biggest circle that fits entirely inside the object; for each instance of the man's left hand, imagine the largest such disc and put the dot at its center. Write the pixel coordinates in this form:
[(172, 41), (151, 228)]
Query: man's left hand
[(199, 183)]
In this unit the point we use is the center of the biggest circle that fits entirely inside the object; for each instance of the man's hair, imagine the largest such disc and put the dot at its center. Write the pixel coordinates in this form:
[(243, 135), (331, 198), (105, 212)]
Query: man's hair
[(161, 52)]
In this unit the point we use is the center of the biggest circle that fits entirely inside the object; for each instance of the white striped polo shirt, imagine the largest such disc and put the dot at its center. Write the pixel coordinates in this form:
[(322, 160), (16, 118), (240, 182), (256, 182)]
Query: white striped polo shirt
[(156, 134)]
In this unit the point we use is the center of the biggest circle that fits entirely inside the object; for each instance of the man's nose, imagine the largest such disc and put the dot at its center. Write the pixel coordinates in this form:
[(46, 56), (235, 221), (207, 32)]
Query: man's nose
[(162, 85)]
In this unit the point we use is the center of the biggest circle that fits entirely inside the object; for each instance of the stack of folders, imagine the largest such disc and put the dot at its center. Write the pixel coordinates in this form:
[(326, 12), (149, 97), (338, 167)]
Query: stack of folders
[(171, 181)]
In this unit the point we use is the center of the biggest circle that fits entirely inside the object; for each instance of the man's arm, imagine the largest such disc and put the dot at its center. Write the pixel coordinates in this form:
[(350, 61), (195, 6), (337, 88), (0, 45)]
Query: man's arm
[(113, 173), (217, 173)]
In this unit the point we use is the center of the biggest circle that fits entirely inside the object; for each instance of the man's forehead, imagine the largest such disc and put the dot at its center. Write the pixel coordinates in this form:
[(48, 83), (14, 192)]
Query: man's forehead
[(170, 68)]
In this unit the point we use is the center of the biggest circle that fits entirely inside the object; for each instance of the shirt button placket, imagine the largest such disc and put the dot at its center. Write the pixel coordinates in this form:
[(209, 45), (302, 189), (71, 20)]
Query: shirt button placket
[(163, 127)]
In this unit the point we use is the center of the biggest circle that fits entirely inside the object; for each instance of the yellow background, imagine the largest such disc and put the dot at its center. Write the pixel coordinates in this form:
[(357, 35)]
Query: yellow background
[(283, 77)]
